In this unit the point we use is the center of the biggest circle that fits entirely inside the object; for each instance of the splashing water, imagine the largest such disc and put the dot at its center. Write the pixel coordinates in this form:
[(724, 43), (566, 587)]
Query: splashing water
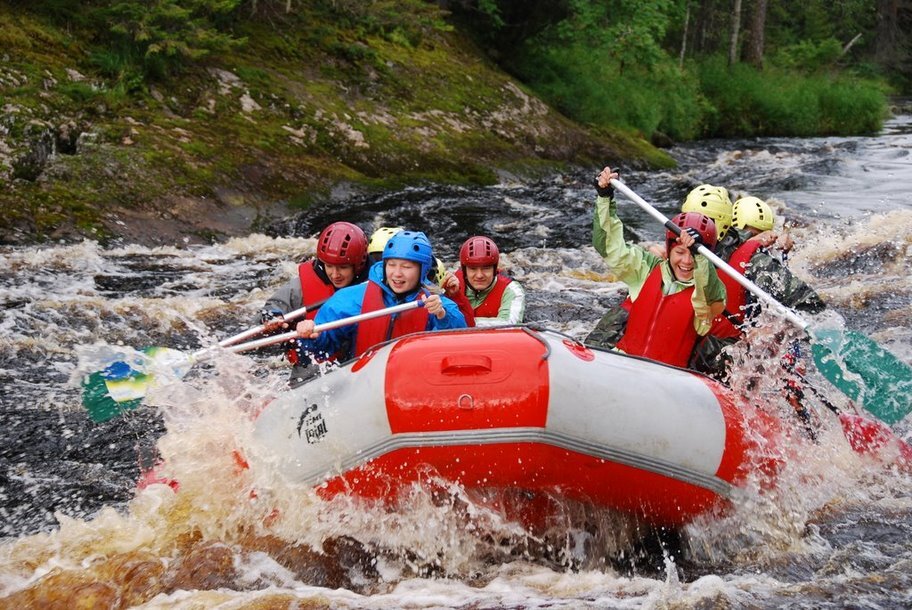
[(836, 526)]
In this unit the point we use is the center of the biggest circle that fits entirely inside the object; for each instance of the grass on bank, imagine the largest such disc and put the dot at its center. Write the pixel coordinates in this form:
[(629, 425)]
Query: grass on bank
[(706, 98)]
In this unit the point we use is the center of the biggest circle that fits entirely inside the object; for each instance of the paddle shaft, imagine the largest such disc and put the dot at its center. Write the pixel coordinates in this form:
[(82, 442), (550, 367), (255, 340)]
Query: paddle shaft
[(787, 313), (243, 347), (256, 330)]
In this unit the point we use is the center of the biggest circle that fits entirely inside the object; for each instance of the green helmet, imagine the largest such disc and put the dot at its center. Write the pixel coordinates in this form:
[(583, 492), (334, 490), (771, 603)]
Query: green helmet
[(752, 212), (380, 237), (711, 201)]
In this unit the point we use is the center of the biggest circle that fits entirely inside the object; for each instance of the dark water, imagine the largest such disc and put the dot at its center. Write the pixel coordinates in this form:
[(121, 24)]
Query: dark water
[(838, 533)]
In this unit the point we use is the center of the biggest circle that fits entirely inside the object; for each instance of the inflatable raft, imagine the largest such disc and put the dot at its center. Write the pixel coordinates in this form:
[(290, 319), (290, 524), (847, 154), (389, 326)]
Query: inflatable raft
[(521, 410)]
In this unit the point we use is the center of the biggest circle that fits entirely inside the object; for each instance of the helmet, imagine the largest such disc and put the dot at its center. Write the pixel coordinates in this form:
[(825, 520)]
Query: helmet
[(343, 243), (712, 201), (479, 251), (380, 237), (411, 246), (438, 272), (752, 212), (693, 220)]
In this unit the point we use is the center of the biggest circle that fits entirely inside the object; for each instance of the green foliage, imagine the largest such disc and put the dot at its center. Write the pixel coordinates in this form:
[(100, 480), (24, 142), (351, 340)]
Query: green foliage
[(167, 33), (602, 71), (402, 21), (809, 56), (776, 102)]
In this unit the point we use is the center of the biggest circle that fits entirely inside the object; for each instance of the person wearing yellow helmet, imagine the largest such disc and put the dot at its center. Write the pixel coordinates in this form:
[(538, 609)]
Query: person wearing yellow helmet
[(378, 240), (713, 201), (752, 213), (754, 219), (753, 222)]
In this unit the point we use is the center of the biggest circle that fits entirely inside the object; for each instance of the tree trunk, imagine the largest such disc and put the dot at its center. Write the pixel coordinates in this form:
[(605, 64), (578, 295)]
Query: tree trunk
[(684, 37), (735, 31), (757, 34), (887, 39), (702, 25)]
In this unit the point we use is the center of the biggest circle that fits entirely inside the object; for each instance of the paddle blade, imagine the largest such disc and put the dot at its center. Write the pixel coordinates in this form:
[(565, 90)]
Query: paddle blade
[(865, 372), (121, 386)]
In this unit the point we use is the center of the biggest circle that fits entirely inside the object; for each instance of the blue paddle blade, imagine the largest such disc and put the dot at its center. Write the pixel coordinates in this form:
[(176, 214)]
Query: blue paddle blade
[(121, 386), (865, 372)]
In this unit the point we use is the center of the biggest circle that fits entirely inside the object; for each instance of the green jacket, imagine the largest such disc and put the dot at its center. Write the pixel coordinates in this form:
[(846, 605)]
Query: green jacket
[(632, 264)]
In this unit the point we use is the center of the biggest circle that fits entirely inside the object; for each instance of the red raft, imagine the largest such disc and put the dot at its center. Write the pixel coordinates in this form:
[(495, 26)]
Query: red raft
[(516, 409), (519, 410)]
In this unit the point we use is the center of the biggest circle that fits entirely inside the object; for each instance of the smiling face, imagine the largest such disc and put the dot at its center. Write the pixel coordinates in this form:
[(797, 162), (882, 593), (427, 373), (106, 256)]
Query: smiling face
[(402, 275), (480, 278), (682, 263), (340, 275)]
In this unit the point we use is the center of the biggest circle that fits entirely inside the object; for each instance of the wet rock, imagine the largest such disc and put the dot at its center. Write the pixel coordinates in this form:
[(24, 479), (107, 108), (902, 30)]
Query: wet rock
[(206, 567), (308, 565)]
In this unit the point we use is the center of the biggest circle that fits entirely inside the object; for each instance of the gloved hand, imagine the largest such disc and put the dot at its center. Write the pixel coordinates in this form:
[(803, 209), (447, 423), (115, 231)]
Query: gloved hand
[(272, 320), (698, 239), (269, 315), (607, 191)]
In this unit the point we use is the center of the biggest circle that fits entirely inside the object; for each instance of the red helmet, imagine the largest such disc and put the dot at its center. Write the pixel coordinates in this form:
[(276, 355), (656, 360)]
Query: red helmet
[(479, 251), (704, 225), (342, 243)]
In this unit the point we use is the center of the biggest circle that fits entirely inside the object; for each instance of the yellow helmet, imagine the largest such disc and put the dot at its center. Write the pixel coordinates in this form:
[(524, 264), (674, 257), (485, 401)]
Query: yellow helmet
[(437, 272), (752, 212), (711, 201), (380, 237)]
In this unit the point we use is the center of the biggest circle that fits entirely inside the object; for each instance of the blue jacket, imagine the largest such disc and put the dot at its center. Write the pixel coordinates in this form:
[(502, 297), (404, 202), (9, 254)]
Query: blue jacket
[(340, 342)]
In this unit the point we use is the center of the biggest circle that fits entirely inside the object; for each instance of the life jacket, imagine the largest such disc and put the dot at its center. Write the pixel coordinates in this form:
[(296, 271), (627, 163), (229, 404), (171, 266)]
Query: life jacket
[(726, 327), (377, 330), (660, 327), (490, 306), (314, 289)]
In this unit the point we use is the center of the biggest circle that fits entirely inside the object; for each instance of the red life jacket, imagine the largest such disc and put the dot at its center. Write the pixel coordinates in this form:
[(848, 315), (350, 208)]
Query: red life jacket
[(314, 289), (660, 327), (490, 306), (377, 330), (735, 295)]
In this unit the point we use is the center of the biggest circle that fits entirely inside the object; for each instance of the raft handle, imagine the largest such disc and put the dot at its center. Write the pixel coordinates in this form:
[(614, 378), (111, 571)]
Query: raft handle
[(466, 364)]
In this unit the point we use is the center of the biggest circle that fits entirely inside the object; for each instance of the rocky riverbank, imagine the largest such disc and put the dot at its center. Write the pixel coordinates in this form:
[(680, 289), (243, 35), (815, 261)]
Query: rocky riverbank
[(227, 147)]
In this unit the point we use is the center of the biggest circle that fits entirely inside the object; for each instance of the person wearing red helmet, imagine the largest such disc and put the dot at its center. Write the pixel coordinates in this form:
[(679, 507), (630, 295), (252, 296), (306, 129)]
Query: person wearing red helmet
[(340, 260), (495, 298), (673, 300)]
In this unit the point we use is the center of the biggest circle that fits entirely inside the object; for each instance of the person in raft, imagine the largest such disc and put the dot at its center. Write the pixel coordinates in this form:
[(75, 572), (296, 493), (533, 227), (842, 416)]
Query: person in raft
[(378, 240), (375, 247), (706, 199), (494, 297), (673, 300), (340, 261), (753, 222), (397, 278)]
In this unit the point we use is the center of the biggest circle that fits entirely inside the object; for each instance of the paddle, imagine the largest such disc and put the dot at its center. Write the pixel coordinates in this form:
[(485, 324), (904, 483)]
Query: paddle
[(853, 363), (121, 386)]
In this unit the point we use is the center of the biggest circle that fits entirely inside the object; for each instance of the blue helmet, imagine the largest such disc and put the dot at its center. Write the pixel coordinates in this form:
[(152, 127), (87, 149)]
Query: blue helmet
[(411, 246)]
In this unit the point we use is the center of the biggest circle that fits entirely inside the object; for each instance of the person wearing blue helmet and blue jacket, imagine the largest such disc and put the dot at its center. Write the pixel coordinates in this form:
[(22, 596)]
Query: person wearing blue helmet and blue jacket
[(397, 278)]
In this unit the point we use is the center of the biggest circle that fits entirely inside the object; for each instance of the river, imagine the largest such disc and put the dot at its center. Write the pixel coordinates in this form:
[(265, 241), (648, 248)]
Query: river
[(836, 533)]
